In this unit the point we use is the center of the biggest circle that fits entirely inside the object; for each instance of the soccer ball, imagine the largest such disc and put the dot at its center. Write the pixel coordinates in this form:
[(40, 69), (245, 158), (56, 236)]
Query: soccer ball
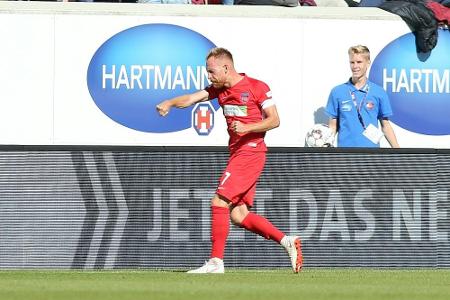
[(319, 135)]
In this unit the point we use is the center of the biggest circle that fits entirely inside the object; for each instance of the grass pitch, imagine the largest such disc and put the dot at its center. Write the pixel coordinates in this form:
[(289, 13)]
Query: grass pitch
[(342, 284)]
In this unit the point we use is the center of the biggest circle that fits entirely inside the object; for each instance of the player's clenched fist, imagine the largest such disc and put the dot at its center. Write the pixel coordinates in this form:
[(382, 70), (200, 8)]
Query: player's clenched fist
[(163, 108), (238, 127)]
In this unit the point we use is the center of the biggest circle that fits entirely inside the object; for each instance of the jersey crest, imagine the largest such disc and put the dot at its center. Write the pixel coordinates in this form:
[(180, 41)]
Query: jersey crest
[(244, 97)]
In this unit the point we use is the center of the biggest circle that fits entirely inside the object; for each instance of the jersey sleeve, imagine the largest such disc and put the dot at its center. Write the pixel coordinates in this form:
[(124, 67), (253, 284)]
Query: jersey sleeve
[(332, 108), (385, 109), (263, 95), (213, 93)]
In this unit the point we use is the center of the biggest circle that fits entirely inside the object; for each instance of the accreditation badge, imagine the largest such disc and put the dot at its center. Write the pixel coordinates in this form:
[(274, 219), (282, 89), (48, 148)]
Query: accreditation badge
[(373, 134)]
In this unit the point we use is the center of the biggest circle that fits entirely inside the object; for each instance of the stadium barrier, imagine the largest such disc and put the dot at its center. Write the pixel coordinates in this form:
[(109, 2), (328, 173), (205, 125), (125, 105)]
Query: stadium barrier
[(148, 207)]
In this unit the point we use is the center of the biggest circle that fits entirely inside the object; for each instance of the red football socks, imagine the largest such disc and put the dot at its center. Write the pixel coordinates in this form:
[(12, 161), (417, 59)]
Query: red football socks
[(262, 226), (220, 227)]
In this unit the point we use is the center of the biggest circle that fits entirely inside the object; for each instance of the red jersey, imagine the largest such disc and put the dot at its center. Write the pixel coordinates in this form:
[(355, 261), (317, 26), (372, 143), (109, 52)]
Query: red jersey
[(244, 102)]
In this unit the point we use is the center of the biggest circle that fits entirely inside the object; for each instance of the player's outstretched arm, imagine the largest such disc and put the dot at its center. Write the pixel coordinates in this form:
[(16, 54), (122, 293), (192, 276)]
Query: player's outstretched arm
[(182, 101)]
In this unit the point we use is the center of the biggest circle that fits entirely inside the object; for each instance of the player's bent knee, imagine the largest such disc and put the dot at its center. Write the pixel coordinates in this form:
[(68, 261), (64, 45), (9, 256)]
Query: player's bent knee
[(237, 216), (236, 220)]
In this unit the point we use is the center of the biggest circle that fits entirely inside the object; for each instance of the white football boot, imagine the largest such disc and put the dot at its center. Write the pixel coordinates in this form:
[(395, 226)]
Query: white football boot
[(213, 265), (293, 247)]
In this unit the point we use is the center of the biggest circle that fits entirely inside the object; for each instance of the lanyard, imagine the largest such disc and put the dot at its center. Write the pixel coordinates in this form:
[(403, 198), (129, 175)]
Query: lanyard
[(358, 108)]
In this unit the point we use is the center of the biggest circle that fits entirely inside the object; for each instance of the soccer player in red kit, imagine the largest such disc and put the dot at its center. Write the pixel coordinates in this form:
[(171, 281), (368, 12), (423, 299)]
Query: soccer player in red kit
[(249, 112)]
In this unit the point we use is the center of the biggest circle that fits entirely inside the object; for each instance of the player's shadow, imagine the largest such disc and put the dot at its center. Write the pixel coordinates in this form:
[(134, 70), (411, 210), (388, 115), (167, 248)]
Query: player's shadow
[(320, 117)]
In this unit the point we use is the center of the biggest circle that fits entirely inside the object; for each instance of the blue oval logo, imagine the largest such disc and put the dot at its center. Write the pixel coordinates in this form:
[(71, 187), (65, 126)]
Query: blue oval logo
[(139, 67), (418, 86)]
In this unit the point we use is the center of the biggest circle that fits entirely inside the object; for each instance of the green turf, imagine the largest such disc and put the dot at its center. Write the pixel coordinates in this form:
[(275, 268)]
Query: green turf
[(345, 284)]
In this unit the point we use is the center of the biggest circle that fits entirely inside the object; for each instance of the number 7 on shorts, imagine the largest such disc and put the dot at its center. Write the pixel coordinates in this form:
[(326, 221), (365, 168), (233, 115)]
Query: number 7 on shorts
[(227, 175)]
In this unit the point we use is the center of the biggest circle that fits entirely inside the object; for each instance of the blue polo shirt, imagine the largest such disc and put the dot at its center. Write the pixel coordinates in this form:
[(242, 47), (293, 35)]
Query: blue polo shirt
[(343, 102)]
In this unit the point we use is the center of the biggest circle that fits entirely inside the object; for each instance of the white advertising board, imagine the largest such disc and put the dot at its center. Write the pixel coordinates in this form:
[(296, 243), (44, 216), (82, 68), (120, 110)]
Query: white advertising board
[(26, 76), (95, 79)]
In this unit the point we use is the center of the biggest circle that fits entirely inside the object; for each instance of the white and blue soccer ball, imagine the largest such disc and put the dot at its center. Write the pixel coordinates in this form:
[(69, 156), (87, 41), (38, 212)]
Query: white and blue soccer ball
[(320, 135)]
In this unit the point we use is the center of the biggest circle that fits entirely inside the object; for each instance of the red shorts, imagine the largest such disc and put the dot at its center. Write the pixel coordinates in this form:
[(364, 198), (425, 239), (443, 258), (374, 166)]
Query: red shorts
[(238, 181)]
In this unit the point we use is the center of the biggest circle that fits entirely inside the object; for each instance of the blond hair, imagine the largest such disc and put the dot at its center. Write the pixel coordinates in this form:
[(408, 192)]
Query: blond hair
[(219, 52), (359, 49)]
